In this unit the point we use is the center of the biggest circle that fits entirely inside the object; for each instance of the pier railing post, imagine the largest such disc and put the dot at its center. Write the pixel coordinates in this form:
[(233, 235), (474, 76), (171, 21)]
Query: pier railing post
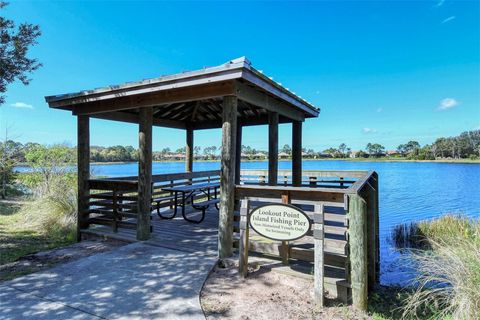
[(318, 255), (377, 226), (372, 234), (244, 235), (357, 213)]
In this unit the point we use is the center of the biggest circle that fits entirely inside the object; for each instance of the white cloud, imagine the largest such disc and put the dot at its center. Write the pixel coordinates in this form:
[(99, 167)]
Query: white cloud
[(368, 130), (440, 3), (22, 105), (447, 103), (379, 109), (448, 19)]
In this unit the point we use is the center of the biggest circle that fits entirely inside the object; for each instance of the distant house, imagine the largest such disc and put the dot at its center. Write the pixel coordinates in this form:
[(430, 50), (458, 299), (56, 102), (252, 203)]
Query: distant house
[(175, 156), (325, 155), (354, 154), (260, 155), (283, 155), (393, 153)]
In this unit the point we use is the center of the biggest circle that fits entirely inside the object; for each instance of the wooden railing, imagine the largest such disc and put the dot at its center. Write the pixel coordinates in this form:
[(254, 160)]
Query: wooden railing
[(349, 202), (113, 202), (311, 178)]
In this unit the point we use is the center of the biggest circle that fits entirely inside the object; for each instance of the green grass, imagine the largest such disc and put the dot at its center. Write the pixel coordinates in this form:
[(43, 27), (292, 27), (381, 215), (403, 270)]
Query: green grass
[(445, 252), (448, 228), (18, 237)]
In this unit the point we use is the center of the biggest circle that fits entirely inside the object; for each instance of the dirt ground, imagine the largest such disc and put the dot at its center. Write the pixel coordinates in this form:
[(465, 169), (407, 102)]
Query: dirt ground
[(264, 294), (47, 259)]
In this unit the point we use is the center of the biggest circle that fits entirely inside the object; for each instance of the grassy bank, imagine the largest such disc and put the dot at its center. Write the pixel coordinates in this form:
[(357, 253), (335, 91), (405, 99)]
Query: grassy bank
[(445, 252), (20, 237)]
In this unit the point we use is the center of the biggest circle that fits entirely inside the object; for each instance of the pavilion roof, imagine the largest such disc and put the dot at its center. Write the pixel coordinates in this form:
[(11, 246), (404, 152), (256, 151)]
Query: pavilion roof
[(192, 99)]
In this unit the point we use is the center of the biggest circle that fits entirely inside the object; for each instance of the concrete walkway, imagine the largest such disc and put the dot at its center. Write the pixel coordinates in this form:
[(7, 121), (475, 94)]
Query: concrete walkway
[(136, 281)]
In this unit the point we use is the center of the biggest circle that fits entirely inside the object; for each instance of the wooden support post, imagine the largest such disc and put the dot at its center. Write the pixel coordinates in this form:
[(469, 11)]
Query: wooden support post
[(357, 212), (272, 148), (144, 173), (227, 177), (244, 236), (83, 171), (377, 227), (285, 245), (296, 153), (371, 236), (189, 150), (238, 154), (318, 254)]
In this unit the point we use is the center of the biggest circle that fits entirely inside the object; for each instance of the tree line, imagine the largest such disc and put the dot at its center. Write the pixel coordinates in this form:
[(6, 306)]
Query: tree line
[(14, 153)]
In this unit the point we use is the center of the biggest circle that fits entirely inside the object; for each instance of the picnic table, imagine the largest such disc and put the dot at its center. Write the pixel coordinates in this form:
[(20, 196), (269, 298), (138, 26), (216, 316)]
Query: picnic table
[(189, 191)]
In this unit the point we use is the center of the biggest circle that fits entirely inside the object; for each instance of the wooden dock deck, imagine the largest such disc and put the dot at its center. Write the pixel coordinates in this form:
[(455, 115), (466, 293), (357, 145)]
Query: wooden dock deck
[(175, 234)]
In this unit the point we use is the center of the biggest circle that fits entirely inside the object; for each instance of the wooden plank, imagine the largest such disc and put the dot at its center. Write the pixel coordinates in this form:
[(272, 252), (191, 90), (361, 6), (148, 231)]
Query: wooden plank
[(276, 90), (227, 180), (313, 173), (319, 256), (134, 118), (358, 185), (246, 122), (357, 233), (83, 160), (272, 148), (144, 173), (296, 153), (110, 184), (90, 105), (319, 194), (260, 99)]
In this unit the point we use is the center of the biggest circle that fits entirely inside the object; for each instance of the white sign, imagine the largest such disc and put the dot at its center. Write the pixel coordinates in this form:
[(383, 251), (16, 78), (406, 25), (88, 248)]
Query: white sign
[(280, 222)]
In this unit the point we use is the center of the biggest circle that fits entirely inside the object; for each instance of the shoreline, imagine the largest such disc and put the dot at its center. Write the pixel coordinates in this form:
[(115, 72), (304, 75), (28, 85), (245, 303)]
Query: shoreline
[(452, 161), (462, 161)]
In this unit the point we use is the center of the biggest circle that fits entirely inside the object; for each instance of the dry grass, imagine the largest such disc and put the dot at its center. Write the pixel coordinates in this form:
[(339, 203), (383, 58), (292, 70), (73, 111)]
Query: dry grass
[(52, 209), (448, 272)]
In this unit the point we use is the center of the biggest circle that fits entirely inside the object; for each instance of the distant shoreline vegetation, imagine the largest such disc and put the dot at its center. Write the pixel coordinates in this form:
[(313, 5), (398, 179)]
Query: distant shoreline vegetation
[(384, 159), (462, 148)]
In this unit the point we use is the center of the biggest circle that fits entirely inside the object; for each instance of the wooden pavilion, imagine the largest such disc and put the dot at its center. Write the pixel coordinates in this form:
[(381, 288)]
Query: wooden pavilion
[(228, 96), (231, 96)]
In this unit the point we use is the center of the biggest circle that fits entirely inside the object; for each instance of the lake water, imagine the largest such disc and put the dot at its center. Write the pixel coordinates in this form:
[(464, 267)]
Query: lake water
[(409, 191)]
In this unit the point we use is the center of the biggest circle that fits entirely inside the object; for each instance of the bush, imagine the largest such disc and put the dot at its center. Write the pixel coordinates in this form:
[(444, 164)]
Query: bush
[(53, 208)]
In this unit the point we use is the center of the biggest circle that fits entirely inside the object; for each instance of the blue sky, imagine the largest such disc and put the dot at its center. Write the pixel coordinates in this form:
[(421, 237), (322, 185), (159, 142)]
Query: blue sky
[(385, 72)]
